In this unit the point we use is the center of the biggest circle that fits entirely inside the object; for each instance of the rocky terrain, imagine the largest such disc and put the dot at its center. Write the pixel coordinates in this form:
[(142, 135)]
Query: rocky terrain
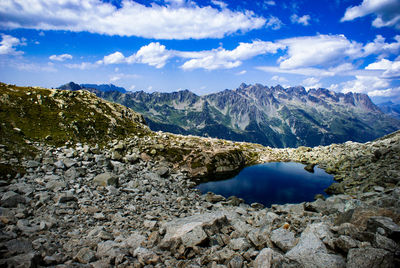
[(129, 201), (271, 116)]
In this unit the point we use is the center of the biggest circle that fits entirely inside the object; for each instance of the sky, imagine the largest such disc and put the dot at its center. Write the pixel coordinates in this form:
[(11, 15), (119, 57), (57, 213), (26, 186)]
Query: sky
[(205, 46)]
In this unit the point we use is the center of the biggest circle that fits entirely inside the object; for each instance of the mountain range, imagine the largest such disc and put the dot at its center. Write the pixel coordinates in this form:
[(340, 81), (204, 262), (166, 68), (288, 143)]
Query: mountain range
[(390, 108), (272, 116)]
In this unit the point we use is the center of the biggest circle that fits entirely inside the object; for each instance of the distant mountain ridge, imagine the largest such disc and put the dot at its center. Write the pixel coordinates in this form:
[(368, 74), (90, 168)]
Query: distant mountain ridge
[(390, 108), (273, 116), (102, 87)]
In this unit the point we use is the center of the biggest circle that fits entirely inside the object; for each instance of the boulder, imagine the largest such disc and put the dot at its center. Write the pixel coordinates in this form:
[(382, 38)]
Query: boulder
[(392, 230), (311, 252), (268, 258), (146, 256), (264, 258), (369, 257), (162, 171), (214, 198), (106, 179), (85, 255), (239, 244), (11, 199), (283, 239), (190, 231)]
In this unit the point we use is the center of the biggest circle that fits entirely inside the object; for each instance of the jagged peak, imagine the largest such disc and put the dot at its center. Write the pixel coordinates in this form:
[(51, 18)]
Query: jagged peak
[(70, 86)]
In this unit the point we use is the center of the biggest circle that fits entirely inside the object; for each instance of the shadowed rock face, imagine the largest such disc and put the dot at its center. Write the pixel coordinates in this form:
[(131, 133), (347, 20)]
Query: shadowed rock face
[(272, 116), (130, 200)]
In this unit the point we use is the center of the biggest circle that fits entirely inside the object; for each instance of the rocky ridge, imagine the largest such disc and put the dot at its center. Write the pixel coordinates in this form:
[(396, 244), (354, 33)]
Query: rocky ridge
[(131, 203), (272, 116)]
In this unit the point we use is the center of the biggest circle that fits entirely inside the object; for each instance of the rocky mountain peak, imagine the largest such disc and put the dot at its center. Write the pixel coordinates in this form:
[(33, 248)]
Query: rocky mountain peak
[(70, 86)]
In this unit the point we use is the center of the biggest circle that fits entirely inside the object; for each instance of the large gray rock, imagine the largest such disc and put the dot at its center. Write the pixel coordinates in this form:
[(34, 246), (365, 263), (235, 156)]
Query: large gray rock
[(11, 199), (27, 260), (310, 251), (268, 258), (214, 198), (283, 239), (106, 179), (108, 248), (239, 244), (189, 231), (392, 230), (369, 257), (264, 258)]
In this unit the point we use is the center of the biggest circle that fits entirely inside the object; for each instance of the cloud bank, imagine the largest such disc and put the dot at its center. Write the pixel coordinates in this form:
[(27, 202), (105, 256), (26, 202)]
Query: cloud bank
[(177, 20)]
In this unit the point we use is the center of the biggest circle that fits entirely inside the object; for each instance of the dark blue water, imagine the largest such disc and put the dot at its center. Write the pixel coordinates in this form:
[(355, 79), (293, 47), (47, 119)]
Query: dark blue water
[(272, 183)]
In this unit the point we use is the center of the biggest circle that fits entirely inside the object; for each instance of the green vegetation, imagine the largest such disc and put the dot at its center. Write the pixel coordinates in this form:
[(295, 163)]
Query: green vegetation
[(30, 115)]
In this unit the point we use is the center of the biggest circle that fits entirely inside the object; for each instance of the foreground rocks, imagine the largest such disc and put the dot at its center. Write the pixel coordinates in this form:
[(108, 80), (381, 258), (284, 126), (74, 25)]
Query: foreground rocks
[(76, 206)]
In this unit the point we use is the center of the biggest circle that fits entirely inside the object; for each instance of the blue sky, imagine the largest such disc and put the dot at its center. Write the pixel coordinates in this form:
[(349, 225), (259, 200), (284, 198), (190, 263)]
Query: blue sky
[(205, 46)]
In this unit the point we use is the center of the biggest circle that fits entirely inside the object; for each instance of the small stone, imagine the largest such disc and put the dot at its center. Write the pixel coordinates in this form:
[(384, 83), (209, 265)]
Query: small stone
[(67, 197), (32, 164), (214, 198), (257, 205), (99, 216), (59, 164), (162, 171), (85, 255), (146, 256)]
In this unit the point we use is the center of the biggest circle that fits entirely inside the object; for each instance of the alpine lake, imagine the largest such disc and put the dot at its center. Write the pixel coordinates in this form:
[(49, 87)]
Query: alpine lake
[(272, 183)]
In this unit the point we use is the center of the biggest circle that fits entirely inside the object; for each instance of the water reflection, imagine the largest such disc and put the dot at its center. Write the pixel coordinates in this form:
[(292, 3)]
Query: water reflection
[(272, 183)]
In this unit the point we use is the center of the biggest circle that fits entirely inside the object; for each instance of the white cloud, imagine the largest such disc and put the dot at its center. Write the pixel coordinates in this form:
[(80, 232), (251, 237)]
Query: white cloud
[(391, 68), (274, 23), (177, 20), (157, 55), (82, 65), (121, 76), (320, 50), (114, 58), (300, 20), (383, 64), (61, 57), (219, 3), (8, 45), (300, 71), (241, 72), (365, 84), (390, 92), (154, 54), (226, 59), (270, 3), (386, 12), (33, 67), (279, 79), (311, 82), (381, 48)]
